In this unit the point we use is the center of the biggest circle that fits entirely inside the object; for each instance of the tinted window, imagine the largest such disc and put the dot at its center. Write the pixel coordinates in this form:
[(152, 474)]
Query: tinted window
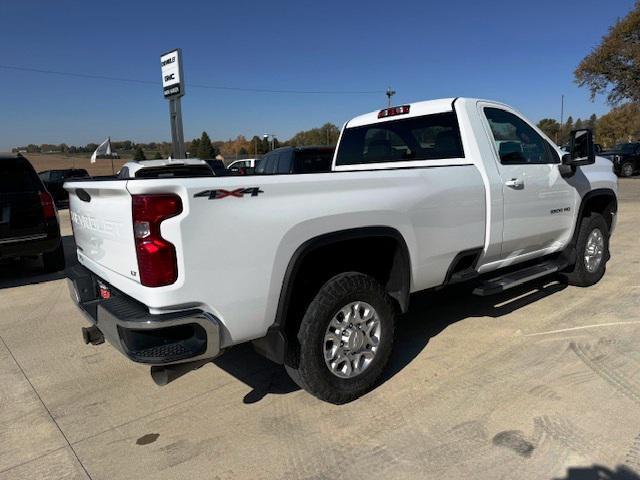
[(628, 148), (272, 163), (313, 161), (57, 176), (17, 175), (421, 138), (261, 165), (215, 164), (124, 172), (516, 141), (284, 162), (79, 173)]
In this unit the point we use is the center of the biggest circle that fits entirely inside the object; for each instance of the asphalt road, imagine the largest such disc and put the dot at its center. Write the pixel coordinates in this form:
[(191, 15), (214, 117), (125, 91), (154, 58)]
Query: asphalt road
[(539, 383)]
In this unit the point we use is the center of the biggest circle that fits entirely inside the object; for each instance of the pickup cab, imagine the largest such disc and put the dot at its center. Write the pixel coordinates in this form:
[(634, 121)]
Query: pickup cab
[(296, 160), (315, 268)]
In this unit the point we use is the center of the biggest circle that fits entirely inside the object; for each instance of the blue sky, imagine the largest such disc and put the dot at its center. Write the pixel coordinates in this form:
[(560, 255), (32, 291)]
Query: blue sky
[(522, 53)]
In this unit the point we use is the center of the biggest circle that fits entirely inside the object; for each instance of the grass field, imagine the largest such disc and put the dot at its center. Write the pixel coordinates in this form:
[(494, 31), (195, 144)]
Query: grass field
[(51, 161)]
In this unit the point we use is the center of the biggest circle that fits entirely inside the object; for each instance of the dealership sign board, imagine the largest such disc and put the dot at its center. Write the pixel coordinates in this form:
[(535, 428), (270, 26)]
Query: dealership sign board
[(172, 78)]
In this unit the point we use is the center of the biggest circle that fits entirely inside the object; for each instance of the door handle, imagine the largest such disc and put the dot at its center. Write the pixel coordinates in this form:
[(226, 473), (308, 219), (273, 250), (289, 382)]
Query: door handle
[(515, 183)]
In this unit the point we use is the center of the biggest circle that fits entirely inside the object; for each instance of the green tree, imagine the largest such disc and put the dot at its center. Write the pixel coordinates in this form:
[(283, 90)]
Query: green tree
[(205, 148), (550, 127), (256, 145), (157, 156), (579, 124), (592, 124), (139, 154), (194, 147), (565, 130), (613, 67), (621, 124), (325, 135)]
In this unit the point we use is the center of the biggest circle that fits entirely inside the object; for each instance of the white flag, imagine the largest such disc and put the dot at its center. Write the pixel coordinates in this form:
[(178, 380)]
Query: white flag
[(103, 149)]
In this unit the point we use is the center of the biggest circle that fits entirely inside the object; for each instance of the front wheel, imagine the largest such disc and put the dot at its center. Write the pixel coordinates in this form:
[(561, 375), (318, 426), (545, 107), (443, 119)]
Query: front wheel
[(592, 250), (346, 337)]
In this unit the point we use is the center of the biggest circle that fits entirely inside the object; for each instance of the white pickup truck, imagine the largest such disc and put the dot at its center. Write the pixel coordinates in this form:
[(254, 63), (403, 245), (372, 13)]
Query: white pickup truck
[(314, 268)]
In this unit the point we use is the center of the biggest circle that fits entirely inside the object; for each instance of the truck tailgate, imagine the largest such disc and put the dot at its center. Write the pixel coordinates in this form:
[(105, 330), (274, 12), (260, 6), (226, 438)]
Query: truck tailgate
[(102, 225)]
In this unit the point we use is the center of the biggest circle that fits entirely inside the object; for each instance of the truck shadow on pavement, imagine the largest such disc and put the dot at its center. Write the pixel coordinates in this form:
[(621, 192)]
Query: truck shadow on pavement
[(429, 314), (263, 376), (28, 271), (598, 472)]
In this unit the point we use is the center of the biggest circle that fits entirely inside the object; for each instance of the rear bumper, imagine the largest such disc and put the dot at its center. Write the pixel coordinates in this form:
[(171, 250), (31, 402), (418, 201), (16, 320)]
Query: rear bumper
[(164, 339)]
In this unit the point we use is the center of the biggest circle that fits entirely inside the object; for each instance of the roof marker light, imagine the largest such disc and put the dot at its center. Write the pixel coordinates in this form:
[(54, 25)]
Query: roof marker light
[(393, 111)]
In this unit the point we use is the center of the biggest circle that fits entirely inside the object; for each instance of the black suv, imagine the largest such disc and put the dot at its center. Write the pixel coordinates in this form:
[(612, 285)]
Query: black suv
[(28, 217), (296, 160), (54, 179), (625, 158)]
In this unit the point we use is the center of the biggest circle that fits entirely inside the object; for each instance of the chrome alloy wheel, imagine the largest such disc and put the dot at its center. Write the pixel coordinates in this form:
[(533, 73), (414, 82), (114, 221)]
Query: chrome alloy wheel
[(352, 339), (594, 250)]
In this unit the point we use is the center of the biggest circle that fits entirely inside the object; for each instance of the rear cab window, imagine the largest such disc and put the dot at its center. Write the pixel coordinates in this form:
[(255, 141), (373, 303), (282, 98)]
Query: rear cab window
[(428, 137)]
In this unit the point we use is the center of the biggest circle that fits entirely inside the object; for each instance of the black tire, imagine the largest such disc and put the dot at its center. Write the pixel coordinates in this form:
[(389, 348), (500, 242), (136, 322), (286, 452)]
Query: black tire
[(311, 372), (54, 261), (580, 276), (626, 169)]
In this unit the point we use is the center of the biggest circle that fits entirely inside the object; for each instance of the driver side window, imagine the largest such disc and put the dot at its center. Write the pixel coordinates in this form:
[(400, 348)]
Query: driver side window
[(516, 142)]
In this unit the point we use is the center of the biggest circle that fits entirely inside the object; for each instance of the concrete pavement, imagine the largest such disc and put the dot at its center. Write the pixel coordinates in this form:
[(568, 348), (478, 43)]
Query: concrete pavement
[(539, 383)]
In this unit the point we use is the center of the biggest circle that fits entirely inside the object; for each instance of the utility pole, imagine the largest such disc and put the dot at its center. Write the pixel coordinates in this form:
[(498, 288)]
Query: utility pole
[(390, 93), (561, 117)]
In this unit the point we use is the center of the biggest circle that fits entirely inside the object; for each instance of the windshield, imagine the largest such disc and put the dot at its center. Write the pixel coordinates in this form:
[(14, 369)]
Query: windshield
[(626, 147), (56, 176)]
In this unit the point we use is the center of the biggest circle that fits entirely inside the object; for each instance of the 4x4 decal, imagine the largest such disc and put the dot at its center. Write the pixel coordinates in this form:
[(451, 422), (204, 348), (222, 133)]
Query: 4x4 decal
[(222, 193)]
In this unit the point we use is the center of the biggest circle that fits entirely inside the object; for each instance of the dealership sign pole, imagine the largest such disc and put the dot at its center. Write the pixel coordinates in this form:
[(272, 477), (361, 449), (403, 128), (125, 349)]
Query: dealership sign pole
[(173, 89)]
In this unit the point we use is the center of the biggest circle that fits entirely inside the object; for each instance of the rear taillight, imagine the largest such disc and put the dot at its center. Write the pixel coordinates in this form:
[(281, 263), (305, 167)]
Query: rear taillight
[(157, 263), (48, 207)]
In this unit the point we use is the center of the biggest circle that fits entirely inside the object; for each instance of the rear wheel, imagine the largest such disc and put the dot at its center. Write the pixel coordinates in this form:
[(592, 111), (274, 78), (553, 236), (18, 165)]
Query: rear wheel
[(592, 250), (54, 261), (626, 169), (345, 337)]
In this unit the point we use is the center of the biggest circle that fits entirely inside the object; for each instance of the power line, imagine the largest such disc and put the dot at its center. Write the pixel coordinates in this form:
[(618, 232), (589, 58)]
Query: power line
[(191, 85)]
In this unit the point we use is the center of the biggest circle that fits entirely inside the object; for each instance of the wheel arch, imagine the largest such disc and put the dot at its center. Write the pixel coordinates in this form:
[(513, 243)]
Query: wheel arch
[(601, 200), (395, 278)]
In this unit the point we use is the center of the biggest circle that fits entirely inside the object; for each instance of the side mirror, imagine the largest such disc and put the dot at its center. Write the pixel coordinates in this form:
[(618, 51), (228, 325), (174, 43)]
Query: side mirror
[(582, 149)]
